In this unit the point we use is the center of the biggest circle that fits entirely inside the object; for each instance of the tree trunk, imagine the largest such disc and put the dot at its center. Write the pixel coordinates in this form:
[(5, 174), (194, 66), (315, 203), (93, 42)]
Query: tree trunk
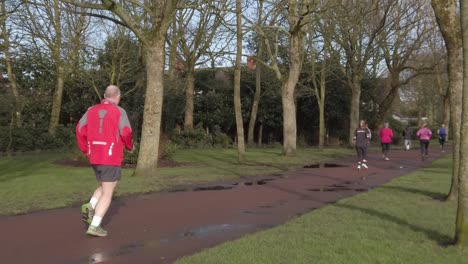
[(256, 101), (173, 52), (260, 134), (258, 82), (149, 145), (18, 119), (322, 108), (288, 93), (449, 24), (289, 119), (189, 92), (237, 82), (445, 93), (387, 103), (288, 85), (57, 101), (461, 233), (446, 120), (354, 111)]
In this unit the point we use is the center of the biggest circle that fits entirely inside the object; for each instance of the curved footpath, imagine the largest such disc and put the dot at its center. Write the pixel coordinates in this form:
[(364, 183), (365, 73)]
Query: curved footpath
[(161, 227)]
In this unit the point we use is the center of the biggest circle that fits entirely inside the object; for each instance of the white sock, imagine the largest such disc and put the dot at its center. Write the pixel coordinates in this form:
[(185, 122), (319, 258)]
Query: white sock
[(93, 202), (96, 221)]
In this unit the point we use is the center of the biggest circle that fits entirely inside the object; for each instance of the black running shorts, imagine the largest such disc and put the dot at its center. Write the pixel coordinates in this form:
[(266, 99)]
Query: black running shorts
[(105, 173)]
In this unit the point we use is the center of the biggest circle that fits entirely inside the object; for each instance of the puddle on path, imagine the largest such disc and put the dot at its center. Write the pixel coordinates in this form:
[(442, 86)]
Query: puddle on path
[(204, 231), (100, 257), (338, 188), (212, 188), (323, 165), (198, 232), (228, 187)]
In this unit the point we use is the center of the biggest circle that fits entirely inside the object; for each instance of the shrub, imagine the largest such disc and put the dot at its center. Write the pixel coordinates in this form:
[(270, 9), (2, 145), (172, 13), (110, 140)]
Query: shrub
[(166, 151), (192, 138), (132, 158), (32, 138), (222, 140), (169, 150)]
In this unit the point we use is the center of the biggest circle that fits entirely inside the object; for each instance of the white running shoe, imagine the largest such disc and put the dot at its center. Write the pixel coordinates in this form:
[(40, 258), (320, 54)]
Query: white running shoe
[(365, 166)]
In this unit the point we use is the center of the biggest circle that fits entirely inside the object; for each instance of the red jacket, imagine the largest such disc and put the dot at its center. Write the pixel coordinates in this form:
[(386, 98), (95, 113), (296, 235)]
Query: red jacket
[(103, 132), (386, 135)]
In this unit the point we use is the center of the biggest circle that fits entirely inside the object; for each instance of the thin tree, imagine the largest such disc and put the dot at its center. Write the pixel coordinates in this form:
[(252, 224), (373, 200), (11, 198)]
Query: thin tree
[(449, 24), (237, 82), (258, 79)]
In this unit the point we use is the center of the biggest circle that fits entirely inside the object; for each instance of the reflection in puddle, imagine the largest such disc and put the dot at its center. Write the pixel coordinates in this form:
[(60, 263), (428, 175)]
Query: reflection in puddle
[(337, 188), (199, 232), (210, 229), (97, 258), (228, 187), (212, 188), (323, 165), (100, 257)]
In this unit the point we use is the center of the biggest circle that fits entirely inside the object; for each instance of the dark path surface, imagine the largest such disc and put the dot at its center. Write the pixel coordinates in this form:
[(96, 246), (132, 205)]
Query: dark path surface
[(159, 228)]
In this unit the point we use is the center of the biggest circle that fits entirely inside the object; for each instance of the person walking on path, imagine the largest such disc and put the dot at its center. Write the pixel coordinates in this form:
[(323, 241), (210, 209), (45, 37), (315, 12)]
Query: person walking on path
[(361, 138), (424, 134), (442, 132), (386, 135), (407, 132), (102, 133)]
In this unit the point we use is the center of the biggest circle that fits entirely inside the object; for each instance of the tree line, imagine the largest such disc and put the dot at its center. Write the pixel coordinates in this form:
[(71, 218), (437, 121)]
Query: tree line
[(404, 56)]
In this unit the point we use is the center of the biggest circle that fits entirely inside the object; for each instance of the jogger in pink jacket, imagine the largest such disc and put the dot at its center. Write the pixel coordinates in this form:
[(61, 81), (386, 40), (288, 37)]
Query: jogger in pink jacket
[(424, 134), (386, 135)]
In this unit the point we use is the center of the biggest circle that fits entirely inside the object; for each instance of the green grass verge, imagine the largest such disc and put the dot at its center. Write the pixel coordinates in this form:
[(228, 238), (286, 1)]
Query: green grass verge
[(400, 222), (32, 182)]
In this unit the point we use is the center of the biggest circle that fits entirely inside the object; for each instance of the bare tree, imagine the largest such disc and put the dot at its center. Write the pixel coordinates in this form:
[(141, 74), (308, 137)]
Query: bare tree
[(449, 24), (318, 78), (197, 28), (149, 21), (357, 25), (319, 39), (297, 15), (258, 78), (407, 30), (237, 80), (6, 46), (58, 29)]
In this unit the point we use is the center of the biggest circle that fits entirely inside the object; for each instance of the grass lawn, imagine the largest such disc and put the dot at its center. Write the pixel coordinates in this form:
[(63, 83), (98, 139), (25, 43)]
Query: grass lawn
[(400, 222), (32, 182)]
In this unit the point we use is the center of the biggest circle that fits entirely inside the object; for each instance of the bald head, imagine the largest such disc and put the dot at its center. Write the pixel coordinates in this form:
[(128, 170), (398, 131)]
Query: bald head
[(112, 94)]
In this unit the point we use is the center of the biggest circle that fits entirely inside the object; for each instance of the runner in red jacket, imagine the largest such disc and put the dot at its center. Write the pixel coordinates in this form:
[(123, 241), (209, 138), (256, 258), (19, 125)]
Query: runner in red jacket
[(102, 133)]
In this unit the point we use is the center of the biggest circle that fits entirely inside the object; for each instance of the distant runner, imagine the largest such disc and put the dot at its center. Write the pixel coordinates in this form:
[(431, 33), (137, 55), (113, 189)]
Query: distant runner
[(407, 133), (442, 132), (361, 138), (386, 135), (424, 134)]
